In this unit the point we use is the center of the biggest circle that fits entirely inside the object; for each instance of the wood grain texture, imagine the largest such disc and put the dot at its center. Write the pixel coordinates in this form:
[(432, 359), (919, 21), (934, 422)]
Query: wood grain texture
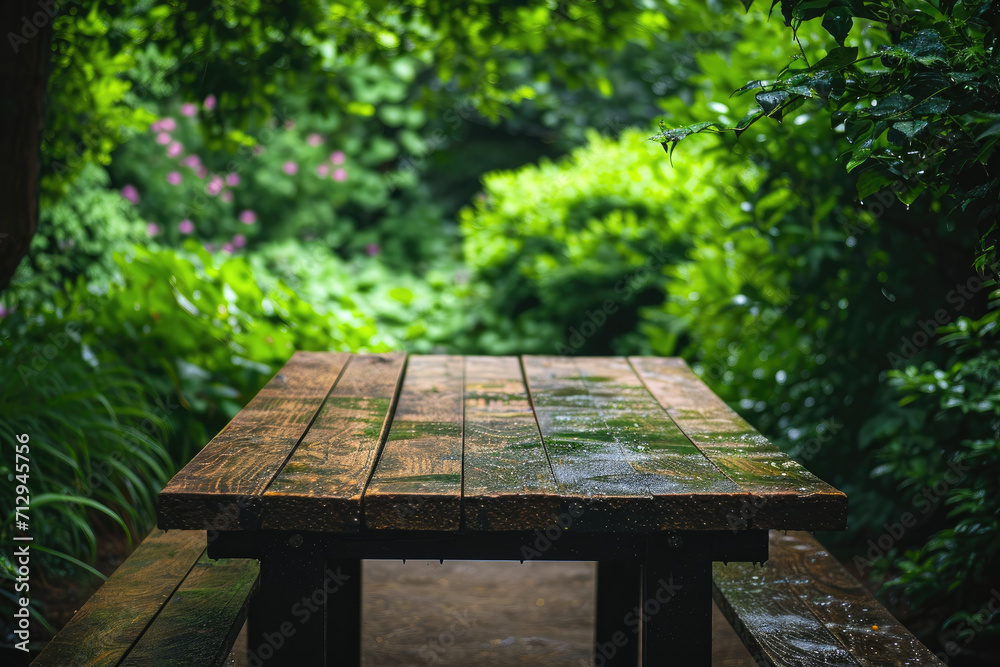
[(320, 486), (843, 606), (784, 494), (417, 482), (201, 621), (615, 449), (775, 625), (114, 617), (508, 482), (222, 486)]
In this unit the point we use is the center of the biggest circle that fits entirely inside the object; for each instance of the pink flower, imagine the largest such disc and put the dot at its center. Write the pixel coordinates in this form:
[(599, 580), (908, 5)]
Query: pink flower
[(339, 175), (200, 171), (289, 124), (239, 241), (214, 186), (174, 178), (4, 312), (174, 149), (226, 196), (191, 161), (337, 157), (232, 179), (372, 249), (323, 170), (210, 247), (314, 139), (290, 168), (168, 124), (152, 229), (186, 226), (228, 247), (156, 126), (258, 150), (189, 109), (131, 194), (248, 217), (163, 138), (210, 102)]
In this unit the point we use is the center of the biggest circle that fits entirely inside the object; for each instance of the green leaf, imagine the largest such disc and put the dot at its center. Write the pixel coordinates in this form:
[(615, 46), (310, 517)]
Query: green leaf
[(771, 100), (870, 182), (925, 47), (838, 22), (837, 58)]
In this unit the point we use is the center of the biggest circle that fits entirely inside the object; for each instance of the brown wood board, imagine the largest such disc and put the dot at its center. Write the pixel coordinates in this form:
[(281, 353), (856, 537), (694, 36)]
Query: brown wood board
[(321, 485), (417, 483), (222, 486), (115, 616), (507, 480)]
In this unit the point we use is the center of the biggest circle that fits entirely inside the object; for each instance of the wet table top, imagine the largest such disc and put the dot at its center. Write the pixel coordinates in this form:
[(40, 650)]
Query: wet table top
[(338, 443)]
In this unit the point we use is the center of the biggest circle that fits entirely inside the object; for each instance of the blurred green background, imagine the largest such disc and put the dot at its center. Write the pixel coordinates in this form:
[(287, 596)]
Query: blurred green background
[(224, 183)]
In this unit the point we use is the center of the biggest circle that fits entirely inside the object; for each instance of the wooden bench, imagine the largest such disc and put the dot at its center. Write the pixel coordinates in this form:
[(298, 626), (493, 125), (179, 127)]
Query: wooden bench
[(803, 608), (167, 604)]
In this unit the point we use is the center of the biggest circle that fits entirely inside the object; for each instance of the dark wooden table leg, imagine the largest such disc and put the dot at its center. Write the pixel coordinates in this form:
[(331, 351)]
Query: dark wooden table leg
[(343, 614), (677, 608), (287, 615), (616, 639)]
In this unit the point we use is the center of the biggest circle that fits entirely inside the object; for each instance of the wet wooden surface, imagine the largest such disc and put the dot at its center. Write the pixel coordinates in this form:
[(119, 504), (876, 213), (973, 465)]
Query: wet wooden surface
[(385, 442), (507, 477), (802, 607), (202, 619), (417, 484), (167, 580), (221, 487), (320, 486)]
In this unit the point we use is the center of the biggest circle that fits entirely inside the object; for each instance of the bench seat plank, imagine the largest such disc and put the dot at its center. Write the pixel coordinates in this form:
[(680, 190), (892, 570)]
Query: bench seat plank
[(803, 608), (508, 481), (845, 608), (203, 617), (774, 624), (417, 482), (116, 615), (223, 485), (321, 485), (785, 494)]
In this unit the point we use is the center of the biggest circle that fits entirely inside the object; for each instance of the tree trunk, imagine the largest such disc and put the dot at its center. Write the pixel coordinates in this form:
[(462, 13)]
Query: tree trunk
[(26, 27)]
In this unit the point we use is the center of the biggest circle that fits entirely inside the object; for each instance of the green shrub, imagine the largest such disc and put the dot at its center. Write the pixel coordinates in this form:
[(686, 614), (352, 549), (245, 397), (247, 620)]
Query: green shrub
[(585, 239), (97, 454)]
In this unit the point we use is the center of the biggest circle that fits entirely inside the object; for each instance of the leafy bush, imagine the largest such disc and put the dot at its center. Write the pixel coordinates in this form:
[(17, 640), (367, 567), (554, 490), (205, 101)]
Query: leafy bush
[(97, 444), (573, 249)]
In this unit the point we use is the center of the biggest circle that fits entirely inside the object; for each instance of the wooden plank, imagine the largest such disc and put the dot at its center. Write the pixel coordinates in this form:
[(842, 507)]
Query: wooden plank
[(613, 447), (842, 605), (221, 487), (320, 486), (508, 482), (417, 483), (203, 617), (775, 625), (116, 615), (784, 494)]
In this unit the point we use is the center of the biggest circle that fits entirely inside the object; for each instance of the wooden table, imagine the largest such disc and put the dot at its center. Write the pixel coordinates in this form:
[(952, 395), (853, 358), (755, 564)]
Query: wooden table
[(633, 463)]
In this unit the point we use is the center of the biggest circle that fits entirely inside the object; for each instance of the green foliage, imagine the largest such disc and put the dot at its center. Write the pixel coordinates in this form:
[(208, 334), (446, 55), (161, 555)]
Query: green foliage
[(920, 104), (588, 235), (204, 331), (77, 236), (913, 88), (97, 448), (957, 403)]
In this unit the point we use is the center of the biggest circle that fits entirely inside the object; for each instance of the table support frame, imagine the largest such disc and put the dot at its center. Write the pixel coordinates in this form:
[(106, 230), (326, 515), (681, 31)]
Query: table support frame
[(653, 589)]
